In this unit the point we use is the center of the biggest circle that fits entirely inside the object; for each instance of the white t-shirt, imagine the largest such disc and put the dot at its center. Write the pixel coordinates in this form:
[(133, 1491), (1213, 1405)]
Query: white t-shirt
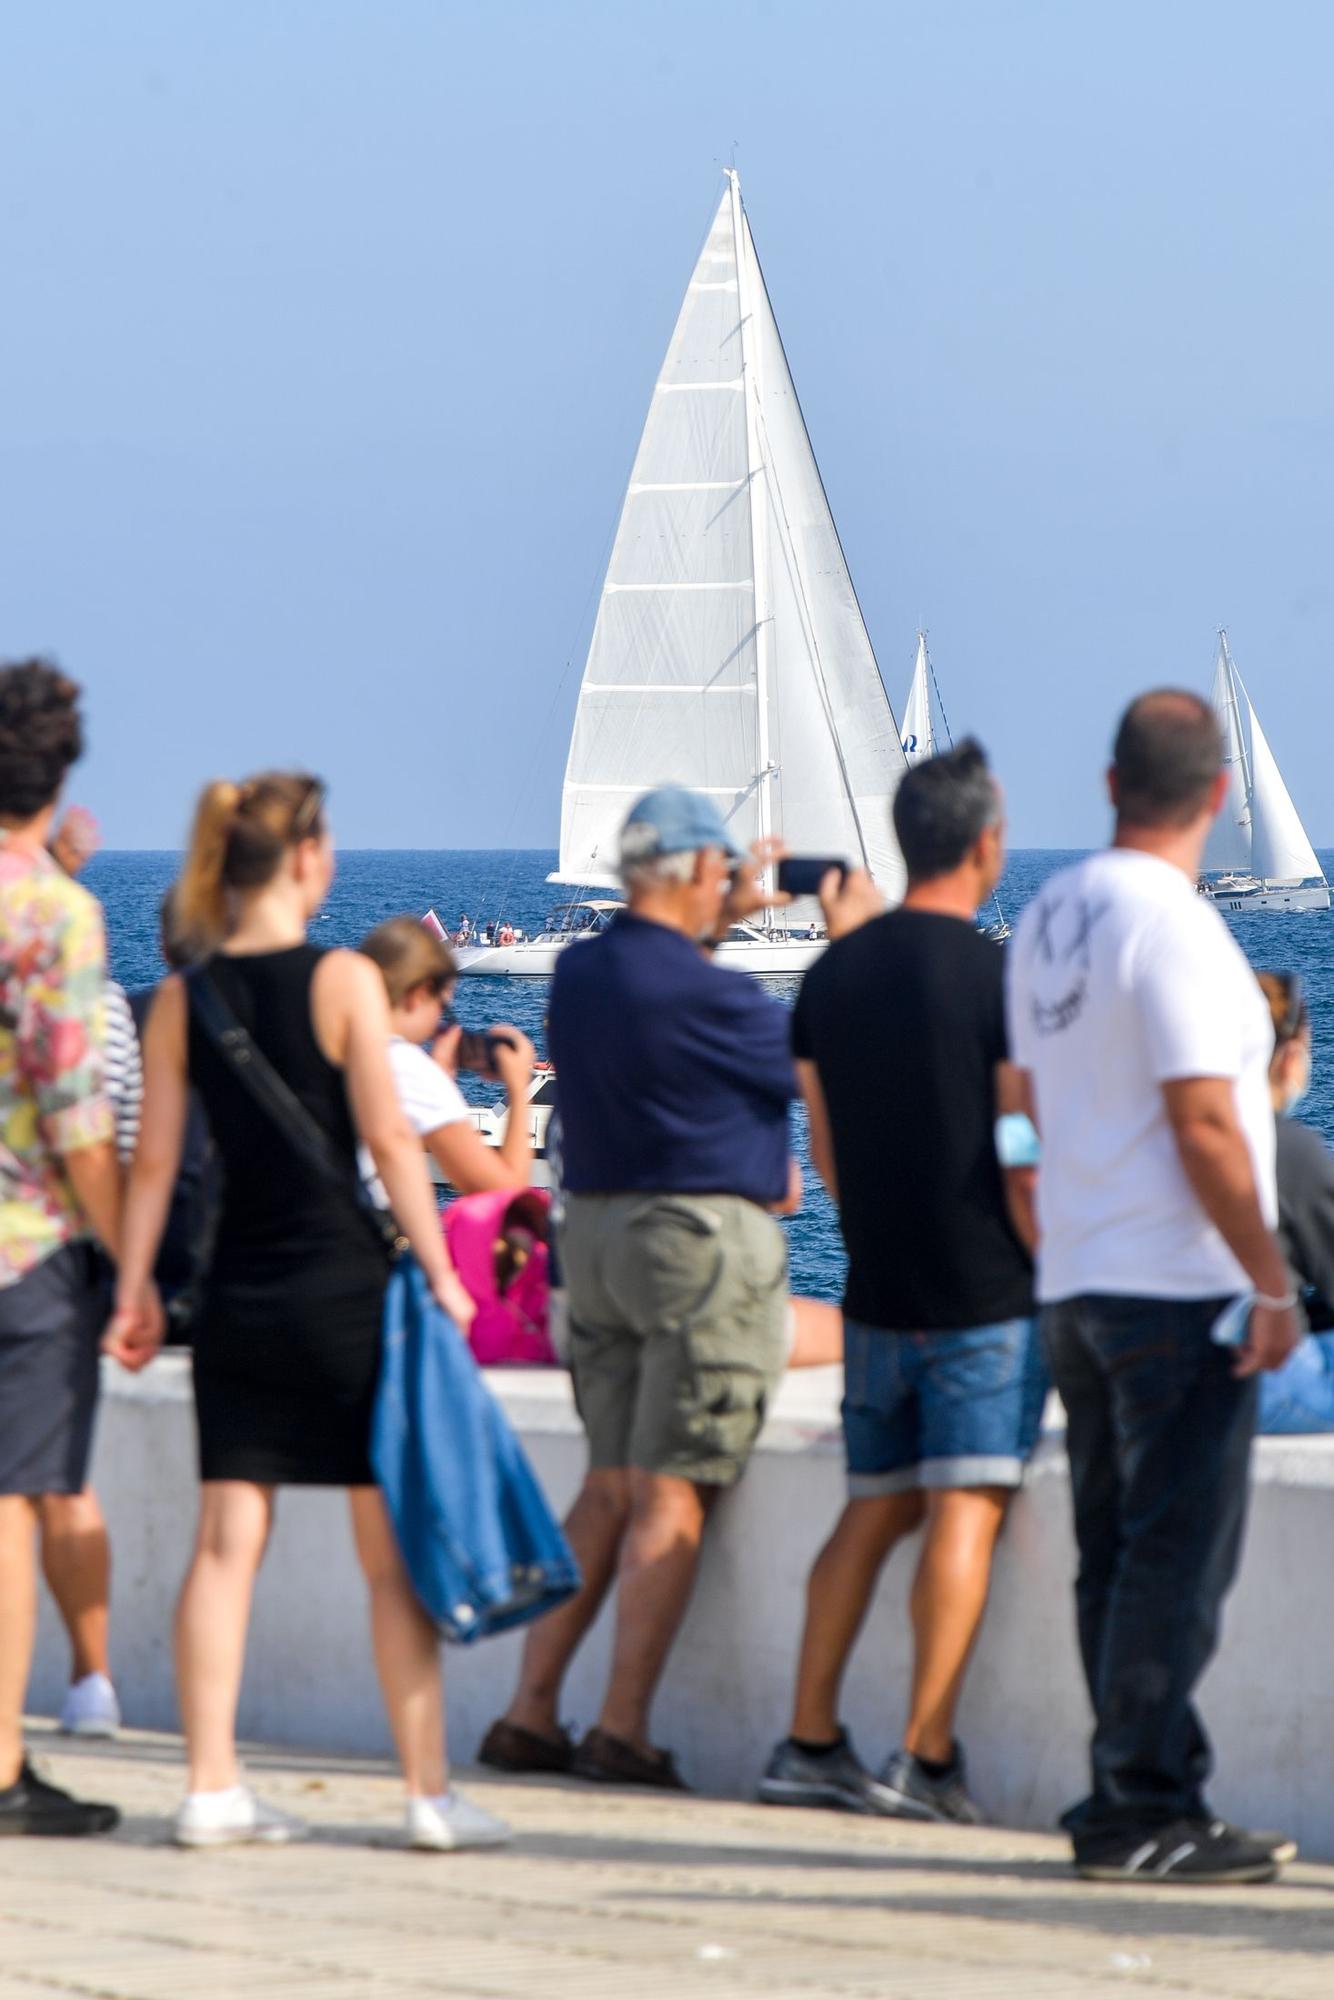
[(429, 1099), (1122, 978)]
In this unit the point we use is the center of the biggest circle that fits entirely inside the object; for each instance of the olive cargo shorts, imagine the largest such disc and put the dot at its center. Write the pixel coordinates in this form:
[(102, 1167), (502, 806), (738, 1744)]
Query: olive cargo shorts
[(678, 1328)]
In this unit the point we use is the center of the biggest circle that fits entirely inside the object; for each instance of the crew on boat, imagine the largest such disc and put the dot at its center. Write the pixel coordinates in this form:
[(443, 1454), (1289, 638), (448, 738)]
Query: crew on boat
[(505, 935)]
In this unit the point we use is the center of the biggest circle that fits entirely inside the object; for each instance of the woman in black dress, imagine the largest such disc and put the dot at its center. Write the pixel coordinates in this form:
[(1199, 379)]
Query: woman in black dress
[(287, 1350)]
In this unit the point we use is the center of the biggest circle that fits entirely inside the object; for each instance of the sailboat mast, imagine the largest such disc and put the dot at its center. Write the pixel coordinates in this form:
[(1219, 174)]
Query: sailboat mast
[(1238, 733), (755, 488)]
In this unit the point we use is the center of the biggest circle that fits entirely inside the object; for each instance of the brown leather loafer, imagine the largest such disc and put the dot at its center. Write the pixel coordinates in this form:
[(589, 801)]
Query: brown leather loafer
[(506, 1747), (609, 1760)]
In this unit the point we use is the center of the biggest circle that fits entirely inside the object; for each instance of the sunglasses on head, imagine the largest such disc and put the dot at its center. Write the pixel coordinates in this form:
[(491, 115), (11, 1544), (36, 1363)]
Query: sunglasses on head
[(1294, 1005), (306, 817)]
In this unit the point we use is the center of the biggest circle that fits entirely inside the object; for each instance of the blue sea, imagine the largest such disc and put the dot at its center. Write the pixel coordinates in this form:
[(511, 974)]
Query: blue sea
[(374, 884)]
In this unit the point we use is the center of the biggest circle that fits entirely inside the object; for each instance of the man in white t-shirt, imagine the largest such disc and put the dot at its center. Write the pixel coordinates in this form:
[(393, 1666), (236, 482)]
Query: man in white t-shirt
[(1147, 1044)]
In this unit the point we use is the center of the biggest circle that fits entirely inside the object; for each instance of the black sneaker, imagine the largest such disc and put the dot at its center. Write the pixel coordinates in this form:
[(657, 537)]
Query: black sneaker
[(1281, 1845), (1188, 1851), (838, 1779), (32, 1806), (918, 1795)]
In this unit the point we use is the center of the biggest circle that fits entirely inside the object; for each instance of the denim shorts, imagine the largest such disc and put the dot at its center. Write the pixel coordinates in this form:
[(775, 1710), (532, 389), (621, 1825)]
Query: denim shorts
[(940, 1409)]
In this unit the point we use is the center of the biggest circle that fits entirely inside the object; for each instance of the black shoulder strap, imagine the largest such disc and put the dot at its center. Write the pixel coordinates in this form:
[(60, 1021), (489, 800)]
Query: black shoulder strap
[(280, 1104)]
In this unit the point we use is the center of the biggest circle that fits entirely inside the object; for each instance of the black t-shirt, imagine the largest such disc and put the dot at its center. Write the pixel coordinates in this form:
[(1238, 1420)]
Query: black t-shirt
[(1306, 1217), (905, 1021)]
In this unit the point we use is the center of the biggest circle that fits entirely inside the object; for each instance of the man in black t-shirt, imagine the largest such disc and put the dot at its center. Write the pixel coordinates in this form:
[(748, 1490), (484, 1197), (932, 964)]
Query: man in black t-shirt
[(900, 1038)]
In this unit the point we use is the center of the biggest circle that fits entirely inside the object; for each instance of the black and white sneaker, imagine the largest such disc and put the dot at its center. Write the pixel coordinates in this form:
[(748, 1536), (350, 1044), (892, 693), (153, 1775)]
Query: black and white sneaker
[(1189, 1851), (32, 1806), (838, 1778), (918, 1794), (1281, 1845)]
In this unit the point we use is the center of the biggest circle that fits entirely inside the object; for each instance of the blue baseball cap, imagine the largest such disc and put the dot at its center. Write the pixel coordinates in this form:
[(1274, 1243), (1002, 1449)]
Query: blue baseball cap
[(672, 820)]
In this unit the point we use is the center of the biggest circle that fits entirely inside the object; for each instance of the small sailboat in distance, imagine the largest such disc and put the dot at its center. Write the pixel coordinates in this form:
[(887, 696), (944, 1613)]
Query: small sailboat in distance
[(729, 652), (1258, 856), (920, 742), (919, 729)]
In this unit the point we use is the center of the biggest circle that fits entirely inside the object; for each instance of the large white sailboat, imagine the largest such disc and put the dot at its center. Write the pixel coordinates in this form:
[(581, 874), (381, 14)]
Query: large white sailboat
[(1258, 856), (729, 652)]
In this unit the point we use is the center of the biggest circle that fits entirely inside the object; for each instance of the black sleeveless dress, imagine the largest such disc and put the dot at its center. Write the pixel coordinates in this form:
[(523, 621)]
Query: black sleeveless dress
[(287, 1348)]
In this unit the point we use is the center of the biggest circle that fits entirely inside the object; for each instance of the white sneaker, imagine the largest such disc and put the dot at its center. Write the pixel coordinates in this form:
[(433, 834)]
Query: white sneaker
[(91, 1708), (452, 1822), (226, 1819)]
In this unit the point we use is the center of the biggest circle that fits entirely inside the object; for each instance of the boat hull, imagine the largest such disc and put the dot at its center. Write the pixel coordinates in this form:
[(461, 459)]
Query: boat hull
[(767, 957), (510, 961), (1243, 898)]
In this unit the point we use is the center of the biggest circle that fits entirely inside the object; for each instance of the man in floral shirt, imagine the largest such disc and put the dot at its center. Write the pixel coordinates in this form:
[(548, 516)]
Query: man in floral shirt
[(59, 1187)]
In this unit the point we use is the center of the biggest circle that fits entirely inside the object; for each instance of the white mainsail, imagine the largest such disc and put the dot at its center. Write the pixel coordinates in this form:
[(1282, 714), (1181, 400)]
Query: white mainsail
[(729, 652), (919, 735), (1258, 832)]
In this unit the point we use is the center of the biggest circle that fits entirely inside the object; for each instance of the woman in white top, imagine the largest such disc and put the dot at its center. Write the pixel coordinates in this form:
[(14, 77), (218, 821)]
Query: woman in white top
[(419, 972)]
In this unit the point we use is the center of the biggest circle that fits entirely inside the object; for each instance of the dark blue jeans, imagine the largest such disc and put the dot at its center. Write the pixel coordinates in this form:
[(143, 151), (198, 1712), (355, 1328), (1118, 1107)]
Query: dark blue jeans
[(1159, 1439)]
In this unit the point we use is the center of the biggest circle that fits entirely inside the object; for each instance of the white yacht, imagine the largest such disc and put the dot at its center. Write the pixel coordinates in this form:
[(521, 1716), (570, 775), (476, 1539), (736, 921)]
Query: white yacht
[(535, 957), (729, 652), (1259, 856)]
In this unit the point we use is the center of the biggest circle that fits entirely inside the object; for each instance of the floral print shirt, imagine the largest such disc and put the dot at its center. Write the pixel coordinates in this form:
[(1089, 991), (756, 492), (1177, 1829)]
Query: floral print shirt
[(52, 1028)]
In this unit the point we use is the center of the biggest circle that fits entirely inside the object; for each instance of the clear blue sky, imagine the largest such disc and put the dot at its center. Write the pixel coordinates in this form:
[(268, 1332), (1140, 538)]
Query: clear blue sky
[(328, 328)]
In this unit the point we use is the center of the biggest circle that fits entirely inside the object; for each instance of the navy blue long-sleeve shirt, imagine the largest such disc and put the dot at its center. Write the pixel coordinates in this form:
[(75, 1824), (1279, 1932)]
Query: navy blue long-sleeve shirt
[(673, 1074)]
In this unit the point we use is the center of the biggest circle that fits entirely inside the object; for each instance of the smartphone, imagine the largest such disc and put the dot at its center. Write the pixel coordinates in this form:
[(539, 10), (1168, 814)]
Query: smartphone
[(802, 874)]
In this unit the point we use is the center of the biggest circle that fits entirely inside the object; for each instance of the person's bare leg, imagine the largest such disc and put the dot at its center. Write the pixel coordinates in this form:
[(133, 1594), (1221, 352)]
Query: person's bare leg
[(211, 1621), (594, 1529), (817, 1334), (18, 1624), (407, 1649), (949, 1596), (659, 1558), (76, 1562), (838, 1594)]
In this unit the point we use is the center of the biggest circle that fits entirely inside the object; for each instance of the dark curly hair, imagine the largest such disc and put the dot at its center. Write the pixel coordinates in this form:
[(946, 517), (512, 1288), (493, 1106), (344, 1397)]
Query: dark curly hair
[(41, 735)]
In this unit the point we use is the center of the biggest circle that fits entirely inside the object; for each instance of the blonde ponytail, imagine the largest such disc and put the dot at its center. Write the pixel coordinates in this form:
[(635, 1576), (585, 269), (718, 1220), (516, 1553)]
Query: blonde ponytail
[(200, 899), (239, 838)]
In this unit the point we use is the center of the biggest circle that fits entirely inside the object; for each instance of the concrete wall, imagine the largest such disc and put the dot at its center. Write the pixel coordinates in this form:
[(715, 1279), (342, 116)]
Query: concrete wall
[(1269, 1700)]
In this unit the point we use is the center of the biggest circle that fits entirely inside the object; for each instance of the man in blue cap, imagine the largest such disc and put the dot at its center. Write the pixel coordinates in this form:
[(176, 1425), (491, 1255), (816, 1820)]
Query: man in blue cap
[(674, 1078)]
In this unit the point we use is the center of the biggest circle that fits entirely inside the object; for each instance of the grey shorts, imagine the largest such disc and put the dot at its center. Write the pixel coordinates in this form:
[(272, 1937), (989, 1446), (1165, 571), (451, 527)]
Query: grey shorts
[(678, 1328), (51, 1325)]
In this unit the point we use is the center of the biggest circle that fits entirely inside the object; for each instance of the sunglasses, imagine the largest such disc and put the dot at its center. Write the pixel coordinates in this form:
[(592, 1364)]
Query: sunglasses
[(1295, 1014), (306, 817)]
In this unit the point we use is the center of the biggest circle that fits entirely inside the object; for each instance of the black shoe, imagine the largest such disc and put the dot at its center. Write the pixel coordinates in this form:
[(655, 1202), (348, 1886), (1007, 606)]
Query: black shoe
[(1188, 1851), (916, 1794), (1281, 1845), (506, 1747), (838, 1778), (32, 1806), (609, 1760)]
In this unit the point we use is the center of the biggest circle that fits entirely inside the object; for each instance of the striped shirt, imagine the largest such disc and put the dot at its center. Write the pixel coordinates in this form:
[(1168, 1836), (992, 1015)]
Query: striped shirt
[(124, 1071)]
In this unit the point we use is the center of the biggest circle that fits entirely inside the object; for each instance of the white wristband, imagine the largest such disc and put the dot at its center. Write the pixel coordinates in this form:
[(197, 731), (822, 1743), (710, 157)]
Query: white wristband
[(1285, 1304)]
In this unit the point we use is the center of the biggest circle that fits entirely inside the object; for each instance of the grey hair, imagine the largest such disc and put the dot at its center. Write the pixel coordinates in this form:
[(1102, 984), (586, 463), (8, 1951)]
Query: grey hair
[(658, 871)]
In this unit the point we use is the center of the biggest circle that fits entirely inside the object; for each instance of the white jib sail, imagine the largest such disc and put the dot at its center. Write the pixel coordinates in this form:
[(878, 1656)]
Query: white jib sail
[(1280, 850), (1258, 831), (919, 736), (729, 652)]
